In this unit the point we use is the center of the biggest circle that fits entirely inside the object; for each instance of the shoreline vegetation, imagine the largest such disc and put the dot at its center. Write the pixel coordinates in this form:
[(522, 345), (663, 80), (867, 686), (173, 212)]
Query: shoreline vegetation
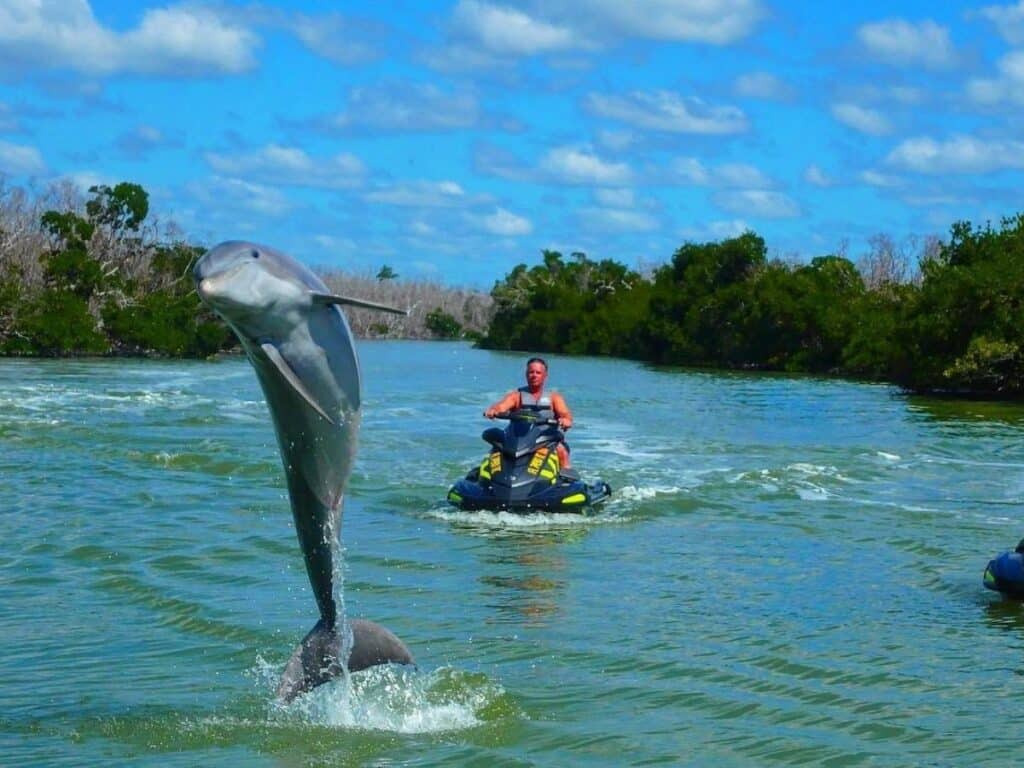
[(93, 276)]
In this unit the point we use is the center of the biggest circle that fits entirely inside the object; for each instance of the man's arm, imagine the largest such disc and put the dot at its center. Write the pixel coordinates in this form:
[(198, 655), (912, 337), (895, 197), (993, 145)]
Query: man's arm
[(562, 412), (508, 403)]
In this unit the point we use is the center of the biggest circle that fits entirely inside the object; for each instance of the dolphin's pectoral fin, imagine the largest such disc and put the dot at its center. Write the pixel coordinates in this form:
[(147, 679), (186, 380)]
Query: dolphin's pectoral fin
[(316, 660), (328, 298), (289, 375)]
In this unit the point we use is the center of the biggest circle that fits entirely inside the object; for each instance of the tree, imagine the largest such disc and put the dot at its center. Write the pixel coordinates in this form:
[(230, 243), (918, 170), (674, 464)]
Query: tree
[(443, 325), (123, 207)]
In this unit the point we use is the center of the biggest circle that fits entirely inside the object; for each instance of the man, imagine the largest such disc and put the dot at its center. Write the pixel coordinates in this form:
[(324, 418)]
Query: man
[(533, 394)]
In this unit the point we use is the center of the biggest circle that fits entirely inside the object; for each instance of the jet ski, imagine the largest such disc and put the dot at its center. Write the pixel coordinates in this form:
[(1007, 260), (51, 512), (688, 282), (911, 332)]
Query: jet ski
[(1005, 573), (522, 473)]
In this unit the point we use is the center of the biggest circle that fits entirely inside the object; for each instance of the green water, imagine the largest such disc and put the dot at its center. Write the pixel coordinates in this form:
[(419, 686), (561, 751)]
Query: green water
[(789, 573)]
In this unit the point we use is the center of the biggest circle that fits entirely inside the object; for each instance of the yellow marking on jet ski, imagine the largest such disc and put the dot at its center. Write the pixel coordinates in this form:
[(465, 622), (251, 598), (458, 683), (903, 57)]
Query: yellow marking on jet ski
[(454, 497), (537, 460), (495, 463), (576, 498), (551, 467), (485, 473)]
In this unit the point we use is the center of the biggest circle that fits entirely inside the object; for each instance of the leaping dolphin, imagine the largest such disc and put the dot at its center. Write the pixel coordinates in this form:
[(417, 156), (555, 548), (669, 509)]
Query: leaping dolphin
[(299, 342)]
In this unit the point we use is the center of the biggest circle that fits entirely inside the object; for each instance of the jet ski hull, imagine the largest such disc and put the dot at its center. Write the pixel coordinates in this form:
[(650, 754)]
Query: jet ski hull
[(566, 495)]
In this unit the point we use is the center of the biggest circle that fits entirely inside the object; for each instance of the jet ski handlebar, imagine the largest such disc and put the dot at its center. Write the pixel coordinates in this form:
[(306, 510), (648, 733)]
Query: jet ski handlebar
[(524, 414)]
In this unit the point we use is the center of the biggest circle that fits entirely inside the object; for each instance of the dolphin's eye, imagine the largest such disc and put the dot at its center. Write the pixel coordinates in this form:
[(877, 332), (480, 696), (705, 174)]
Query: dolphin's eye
[(255, 253)]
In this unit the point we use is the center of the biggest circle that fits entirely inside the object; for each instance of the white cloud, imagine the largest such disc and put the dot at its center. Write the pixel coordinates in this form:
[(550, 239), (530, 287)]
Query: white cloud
[(762, 85), (481, 34), (959, 154), (617, 220), (422, 228), (666, 111), (20, 160), (276, 164), (83, 181), (758, 202), (878, 179), (741, 175), (718, 22), (509, 31), (335, 244), (903, 43), (616, 141), (1008, 21), (219, 193), (419, 194), (496, 161), (720, 229), (1008, 86), (817, 177), (571, 165), (187, 39), (174, 41), (336, 38), (615, 198), (728, 228), (401, 107), (863, 119), (690, 170), (506, 223)]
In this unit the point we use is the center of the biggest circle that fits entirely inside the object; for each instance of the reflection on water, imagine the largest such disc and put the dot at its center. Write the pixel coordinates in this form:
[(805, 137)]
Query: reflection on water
[(975, 411), (525, 574)]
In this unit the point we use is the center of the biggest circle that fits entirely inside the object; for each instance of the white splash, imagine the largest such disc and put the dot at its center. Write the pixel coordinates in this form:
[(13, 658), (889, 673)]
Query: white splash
[(387, 698)]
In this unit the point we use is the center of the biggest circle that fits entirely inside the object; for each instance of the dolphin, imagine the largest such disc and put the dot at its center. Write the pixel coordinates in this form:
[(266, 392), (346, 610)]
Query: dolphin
[(299, 343)]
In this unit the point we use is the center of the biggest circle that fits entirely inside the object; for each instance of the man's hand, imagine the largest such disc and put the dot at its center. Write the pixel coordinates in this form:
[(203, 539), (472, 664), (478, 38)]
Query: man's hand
[(564, 423), (489, 413)]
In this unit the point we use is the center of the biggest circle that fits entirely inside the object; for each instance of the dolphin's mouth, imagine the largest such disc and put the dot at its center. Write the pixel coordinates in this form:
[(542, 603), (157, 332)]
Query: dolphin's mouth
[(211, 288)]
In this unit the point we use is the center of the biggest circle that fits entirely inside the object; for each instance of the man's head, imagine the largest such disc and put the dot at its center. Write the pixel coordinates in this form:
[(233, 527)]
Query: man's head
[(536, 372)]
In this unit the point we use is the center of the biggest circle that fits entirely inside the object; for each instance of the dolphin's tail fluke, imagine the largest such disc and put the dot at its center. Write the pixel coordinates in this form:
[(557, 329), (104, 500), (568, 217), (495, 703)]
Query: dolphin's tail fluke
[(317, 659)]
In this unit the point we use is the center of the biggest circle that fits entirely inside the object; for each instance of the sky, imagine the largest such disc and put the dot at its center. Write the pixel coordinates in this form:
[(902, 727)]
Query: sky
[(452, 140)]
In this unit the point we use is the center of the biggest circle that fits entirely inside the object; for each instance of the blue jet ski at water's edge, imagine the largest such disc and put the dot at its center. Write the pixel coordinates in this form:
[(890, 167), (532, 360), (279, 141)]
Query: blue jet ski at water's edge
[(1005, 572), (522, 473)]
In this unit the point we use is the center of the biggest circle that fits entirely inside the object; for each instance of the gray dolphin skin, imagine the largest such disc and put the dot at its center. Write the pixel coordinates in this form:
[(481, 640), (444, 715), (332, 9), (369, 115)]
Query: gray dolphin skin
[(300, 345)]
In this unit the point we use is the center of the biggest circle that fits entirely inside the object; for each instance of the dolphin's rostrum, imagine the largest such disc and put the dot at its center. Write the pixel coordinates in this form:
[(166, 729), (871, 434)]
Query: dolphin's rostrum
[(300, 345)]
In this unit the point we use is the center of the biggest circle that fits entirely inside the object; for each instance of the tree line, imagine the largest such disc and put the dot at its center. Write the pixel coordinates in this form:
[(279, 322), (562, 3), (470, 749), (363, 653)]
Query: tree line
[(99, 277), (953, 324)]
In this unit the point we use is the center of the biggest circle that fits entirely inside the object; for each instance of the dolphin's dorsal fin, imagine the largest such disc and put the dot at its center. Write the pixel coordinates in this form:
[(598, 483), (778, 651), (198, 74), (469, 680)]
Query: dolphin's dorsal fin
[(330, 298), (274, 355)]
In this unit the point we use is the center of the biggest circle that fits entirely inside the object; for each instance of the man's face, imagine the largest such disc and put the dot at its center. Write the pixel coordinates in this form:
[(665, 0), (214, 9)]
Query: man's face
[(536, 374)]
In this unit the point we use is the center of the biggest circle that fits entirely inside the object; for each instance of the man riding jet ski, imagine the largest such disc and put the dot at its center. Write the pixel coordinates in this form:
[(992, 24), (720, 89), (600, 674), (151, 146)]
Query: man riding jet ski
[(527, 468)]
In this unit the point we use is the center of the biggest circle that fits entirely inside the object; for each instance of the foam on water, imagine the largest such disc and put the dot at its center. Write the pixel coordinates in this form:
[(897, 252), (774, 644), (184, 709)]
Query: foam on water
[(386, 698), (644, 493), (487, 519)]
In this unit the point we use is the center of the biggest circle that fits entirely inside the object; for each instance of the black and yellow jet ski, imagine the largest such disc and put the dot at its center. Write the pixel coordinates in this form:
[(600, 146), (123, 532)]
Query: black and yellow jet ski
[(1005, 573), (522, 472)]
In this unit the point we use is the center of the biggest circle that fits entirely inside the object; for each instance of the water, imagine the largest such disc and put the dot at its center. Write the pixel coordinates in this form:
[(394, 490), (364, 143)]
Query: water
[(789, 573)]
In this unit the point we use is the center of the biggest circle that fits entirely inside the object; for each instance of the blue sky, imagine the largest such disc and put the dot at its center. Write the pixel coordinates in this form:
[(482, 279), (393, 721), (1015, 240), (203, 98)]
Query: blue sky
[(453, 140)]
